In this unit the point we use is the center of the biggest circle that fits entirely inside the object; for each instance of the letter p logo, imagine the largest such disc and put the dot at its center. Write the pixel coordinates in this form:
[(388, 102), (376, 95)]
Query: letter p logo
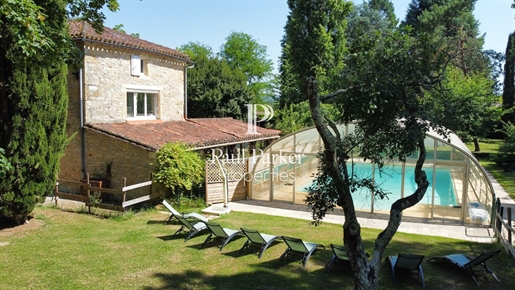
[(252, 116)]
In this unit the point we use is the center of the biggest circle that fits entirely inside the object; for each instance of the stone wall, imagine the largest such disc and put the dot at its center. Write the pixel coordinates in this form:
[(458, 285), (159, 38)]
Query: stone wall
[(125, 160), (108, 77)]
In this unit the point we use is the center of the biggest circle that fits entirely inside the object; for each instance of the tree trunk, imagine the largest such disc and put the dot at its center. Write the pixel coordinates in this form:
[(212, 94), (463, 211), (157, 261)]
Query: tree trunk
[(365, 272), (476, 145)]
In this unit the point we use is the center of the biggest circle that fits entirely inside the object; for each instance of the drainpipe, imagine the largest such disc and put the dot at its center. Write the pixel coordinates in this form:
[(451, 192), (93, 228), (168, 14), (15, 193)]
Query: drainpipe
[(82, 135), (186, 90)]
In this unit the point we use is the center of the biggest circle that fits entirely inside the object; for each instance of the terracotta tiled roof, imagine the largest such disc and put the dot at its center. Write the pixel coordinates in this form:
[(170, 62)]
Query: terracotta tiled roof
[(200, 133), (84, 30)]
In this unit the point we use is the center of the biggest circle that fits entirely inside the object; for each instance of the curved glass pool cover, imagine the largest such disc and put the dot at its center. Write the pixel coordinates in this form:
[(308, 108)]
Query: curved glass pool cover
[(459, 187)]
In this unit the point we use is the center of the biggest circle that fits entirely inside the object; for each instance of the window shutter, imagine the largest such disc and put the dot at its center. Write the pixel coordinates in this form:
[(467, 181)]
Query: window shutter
[(135, 65)]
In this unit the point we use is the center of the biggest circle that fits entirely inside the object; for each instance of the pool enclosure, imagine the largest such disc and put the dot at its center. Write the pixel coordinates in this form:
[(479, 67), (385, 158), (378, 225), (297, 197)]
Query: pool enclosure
[(459, 187)]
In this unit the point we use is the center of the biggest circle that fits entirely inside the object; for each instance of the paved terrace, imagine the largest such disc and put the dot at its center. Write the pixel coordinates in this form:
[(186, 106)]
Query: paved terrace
[(442, 228)]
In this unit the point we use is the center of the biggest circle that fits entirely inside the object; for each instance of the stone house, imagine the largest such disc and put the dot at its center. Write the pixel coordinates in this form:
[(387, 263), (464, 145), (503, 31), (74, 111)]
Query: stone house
[(126, 101)]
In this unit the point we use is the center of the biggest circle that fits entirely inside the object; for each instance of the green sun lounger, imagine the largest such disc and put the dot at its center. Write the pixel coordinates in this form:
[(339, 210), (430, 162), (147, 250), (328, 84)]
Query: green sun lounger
[(255, 238), (468, 263), (300, 248), (407, 262), (191, 228), (217, 231)]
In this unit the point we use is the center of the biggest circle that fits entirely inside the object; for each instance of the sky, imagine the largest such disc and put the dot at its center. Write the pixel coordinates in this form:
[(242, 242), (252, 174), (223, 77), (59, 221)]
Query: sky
[(173, 23)]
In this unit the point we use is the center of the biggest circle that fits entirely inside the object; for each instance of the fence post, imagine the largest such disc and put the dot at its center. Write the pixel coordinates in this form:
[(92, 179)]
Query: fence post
[(498, 223), (124, 193), (56, 190), (509, 226)]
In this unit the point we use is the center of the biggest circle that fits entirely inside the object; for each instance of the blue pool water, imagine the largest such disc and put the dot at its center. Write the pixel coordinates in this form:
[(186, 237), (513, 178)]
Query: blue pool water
[(391, 181)]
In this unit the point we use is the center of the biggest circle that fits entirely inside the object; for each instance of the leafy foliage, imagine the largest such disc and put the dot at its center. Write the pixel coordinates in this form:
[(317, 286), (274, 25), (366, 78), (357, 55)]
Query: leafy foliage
[(243, 52), (34, 46), (508, 95), (465, 104), (5, 166), (214, 89), (506, 156), (119, 27), (297, 116), (313, 45), (177, 167)]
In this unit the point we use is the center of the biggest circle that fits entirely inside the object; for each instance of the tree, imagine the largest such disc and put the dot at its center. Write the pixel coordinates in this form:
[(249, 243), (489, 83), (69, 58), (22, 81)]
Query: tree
[(119, 27), (385, 7), (385, 83), (313, 45), (33, 94), (506, 156), (5, 166), (178, 167), (243, 52), (508, 95), (214, 89), (297, 116), (366, 20), (197, 50), (454, 24), (466, 104)]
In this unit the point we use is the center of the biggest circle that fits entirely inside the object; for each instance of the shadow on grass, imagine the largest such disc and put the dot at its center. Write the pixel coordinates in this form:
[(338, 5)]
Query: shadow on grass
[(157, 222)]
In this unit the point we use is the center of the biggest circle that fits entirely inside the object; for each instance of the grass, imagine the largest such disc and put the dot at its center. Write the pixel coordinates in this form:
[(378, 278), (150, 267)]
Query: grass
[(489, 149), (71, 250)]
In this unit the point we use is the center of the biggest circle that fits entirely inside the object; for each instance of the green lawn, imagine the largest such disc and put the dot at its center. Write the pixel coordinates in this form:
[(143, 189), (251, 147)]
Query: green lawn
[(71, 250), (489, 149)]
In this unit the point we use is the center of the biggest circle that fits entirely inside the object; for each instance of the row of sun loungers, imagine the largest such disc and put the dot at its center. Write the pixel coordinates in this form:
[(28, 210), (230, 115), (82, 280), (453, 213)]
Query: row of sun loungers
[(298, 247)]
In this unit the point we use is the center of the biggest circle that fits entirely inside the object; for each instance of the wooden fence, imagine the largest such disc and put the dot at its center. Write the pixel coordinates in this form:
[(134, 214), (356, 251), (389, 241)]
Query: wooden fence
[(504, 227), (92, 196)]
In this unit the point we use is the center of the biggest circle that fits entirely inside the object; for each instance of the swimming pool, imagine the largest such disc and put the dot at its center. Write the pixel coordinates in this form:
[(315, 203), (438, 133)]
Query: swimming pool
[(391, 180)]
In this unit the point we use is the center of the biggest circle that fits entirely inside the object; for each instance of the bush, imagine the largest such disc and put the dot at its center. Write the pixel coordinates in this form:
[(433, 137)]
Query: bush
[(506, 156), (178, 168)]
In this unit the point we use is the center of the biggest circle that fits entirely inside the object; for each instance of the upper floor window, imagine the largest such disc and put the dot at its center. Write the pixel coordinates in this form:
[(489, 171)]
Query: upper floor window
[(141, 105), (137, 65)]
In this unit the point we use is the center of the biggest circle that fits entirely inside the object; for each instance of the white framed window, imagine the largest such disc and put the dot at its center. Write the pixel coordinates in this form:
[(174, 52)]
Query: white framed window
[(137, 65), (142, 105)]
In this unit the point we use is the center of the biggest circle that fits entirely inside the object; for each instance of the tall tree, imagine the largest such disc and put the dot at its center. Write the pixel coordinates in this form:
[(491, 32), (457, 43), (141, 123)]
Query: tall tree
[(243, 52), (453, 21), (508, 94), (214, 89), (383, 93), (387, 10), (366, 20), (33, 95), (313, 45)]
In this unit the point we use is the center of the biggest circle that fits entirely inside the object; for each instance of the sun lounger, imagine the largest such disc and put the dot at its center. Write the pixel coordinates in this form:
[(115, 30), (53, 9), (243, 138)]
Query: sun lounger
[(298, 247), (468, 263), (174, 212), (191, 228), (217, 231), (406, 262), (256, 238)]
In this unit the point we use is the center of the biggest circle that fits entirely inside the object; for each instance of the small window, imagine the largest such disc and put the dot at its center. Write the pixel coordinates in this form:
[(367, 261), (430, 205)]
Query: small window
[(137, 65), (141, 105)]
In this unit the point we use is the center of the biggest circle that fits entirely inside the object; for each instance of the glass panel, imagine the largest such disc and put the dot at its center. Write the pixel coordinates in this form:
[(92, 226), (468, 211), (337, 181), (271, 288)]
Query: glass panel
[(140, 104), (130, 104), (150, 104)]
